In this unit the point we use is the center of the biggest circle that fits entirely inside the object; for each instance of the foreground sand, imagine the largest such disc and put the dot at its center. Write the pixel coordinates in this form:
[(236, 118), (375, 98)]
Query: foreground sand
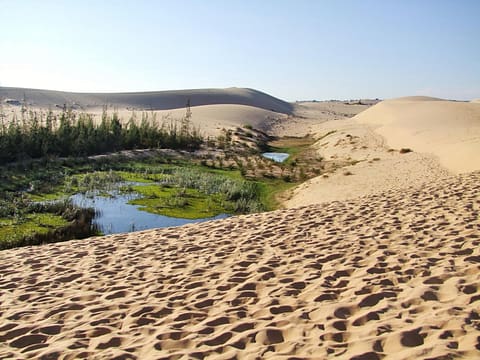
[(394, 276)]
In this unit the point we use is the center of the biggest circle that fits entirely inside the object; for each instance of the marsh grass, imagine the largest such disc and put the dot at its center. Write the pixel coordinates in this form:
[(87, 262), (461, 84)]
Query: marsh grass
[(24, 222), (172, 187), (192, 192)]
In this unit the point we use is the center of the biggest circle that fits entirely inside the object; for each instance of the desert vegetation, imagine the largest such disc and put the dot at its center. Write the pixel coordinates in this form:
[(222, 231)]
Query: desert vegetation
[(47, 157), (35, 134), (35, 205), (25, 222)]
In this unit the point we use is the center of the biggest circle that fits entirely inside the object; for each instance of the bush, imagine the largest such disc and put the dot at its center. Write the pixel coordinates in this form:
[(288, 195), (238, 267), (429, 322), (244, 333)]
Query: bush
[(69, 134)]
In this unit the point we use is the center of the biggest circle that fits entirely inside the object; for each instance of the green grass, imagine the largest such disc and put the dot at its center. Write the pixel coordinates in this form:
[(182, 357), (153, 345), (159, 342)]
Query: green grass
[(294, 146), (194, 191), (174, 202), (13, 231), (270, 189), (57, 195)]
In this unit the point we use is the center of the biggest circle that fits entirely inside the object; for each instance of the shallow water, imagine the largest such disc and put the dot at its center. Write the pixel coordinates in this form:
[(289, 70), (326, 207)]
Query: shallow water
[(115, 215), (278, 157)]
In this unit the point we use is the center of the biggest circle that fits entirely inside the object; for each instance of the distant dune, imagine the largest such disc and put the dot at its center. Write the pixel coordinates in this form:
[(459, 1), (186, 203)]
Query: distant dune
[(443, 136), (450, 130), (416, 98), (212, 118), (153, 100)]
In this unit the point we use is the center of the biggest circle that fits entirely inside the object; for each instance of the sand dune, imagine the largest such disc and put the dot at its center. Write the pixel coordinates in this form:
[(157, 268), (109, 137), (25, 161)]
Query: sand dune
[(154, 100), (386, 267), (444, 137), (416, 98), (393, 276), (449, 130), (212, 109), (212, 118)]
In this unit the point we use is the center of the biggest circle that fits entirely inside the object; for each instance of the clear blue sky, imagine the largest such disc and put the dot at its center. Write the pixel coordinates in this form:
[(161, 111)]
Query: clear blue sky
[(293, 49)]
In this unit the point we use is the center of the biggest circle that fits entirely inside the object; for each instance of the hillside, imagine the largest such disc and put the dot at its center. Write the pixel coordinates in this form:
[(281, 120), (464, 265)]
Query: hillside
[(153, 100)]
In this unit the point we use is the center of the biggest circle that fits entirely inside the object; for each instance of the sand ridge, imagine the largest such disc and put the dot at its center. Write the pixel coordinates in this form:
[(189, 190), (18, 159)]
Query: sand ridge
[(148, 100), (449, 130), (370, 165), (392, 145), (393, 275)]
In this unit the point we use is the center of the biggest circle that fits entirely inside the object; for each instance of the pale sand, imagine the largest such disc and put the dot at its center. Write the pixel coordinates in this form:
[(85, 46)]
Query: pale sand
[(443, 135), (151, 100), (449, 130), (212, 109), (394, 276), (373, 167), (211, 120)]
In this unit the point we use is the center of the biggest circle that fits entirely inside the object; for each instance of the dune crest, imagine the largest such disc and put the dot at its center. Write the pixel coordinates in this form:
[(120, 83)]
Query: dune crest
[(449, 130), (149, 100), (416, 98)]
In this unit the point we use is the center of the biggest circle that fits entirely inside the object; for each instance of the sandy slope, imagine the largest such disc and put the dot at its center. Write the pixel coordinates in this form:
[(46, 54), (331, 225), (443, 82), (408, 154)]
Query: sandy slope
[(392, 276), (449, 130), (153, 100), (212, 109), (374, 166), (444, 137), (308, 117), (211, 119)]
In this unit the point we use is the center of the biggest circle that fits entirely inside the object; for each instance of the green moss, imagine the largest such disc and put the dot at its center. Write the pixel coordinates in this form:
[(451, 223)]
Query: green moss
[(270, 189), (174, 202), (12, 231), (139, 177), (48, 197)]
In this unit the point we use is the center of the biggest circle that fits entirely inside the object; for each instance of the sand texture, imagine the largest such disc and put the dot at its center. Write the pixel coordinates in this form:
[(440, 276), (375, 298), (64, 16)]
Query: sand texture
[(152, 100), (387, 276), (369, 165), (392, 145), (450, 130), (212, 109)]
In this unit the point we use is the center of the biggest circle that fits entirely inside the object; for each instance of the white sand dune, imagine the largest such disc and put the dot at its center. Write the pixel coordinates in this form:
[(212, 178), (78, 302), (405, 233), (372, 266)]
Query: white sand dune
[(450, 130), (416, 98), (153, 100), (212, 109), (211, 119), (393, 276), (444, 136)]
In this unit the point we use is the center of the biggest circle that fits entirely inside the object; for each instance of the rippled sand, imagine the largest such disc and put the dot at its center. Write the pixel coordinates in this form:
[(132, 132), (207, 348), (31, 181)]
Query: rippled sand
[(393, 275)]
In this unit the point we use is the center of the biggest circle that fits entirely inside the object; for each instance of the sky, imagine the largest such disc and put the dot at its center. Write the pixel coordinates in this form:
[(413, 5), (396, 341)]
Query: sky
[(292, 49)]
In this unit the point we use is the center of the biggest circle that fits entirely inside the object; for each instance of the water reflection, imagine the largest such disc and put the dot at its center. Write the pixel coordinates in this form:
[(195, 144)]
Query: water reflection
[(115, 215)]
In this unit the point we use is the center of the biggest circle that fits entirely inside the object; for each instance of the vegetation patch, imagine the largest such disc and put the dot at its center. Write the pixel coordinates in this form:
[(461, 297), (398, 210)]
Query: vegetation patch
[(187, 203), (15, 231), (38, 135), (227, 176), (193, 192)]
